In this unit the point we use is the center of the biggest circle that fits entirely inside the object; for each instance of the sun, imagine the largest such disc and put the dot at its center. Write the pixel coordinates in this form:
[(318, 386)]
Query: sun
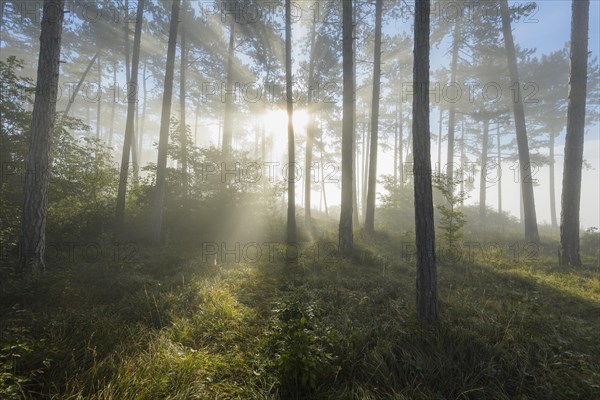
[(277, 120)]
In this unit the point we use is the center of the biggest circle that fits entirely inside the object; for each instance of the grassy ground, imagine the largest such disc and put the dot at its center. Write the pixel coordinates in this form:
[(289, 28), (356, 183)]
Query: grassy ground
[(169, 326)]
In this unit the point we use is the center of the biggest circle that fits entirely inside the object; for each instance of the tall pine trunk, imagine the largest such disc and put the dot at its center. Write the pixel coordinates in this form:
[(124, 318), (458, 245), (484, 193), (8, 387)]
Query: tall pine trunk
[(346, 244), (310, 131), (99, 105), (530, 219), (228, 117), (552, 178), (32, 256), (499, 155), (427, 307), (482, 178), (291, 208), (571, 189), (165, 122), (113, 105), (372, 184), (131, 106), (182, 95), (452, 109)]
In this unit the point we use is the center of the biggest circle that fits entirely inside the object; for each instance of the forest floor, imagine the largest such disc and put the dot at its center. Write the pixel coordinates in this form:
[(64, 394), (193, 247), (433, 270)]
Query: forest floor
[(169, 325)]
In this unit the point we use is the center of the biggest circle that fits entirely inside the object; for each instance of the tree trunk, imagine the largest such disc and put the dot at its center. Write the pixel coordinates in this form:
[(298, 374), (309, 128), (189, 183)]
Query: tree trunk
[(552, 179), (126, 38), (365, 163), (99, 105), (452, 109), (372, 185), (140, 145), (482, 178), (346, 244), (165, 121), (571, 189), (182, 95), (427, 308), (131, 106), (291, 209), (113, 105), (310, 131), (227, 119), (355, 209), (396, 127), (531, 229), (499, 168), (401, 144), (439, 144), (32, 255), (76, 90)]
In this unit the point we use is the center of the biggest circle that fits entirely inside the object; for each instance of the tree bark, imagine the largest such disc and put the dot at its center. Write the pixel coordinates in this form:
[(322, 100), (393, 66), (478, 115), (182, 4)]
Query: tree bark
[(571, 189), (372, 185), (427, 307), (530, 219), (291, 209), (346, 244), (131, 106), (32, 255), (165, 122)]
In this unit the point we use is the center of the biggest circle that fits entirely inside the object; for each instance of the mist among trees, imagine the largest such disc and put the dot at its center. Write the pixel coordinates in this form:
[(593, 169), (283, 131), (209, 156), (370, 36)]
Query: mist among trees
[(276, 199)]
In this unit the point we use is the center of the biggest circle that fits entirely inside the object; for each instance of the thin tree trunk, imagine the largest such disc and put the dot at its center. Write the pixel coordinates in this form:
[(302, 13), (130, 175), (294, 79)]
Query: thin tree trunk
[(482, 180), (144, 108), (427, 307), (32, 255), (571, 189), (531, 229), (113, 105), (291, 209), (126, 39), (401, 143), (499, 168), (227, 119), (365, 174), (439, 144), (99, 105), (552, 179), (197, 117), (165, 122), (346, 244), (355, 209), (372, 185), (396, 128), (452, 109), (310, 131), (131, 106), (78, 87), (182, 96)]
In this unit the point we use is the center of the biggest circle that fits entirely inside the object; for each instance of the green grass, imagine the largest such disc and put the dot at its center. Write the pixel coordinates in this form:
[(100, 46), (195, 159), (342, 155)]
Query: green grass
[(170, 327)]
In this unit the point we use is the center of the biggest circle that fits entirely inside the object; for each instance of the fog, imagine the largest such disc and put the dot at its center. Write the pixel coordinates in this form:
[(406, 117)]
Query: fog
[(234, 199)]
